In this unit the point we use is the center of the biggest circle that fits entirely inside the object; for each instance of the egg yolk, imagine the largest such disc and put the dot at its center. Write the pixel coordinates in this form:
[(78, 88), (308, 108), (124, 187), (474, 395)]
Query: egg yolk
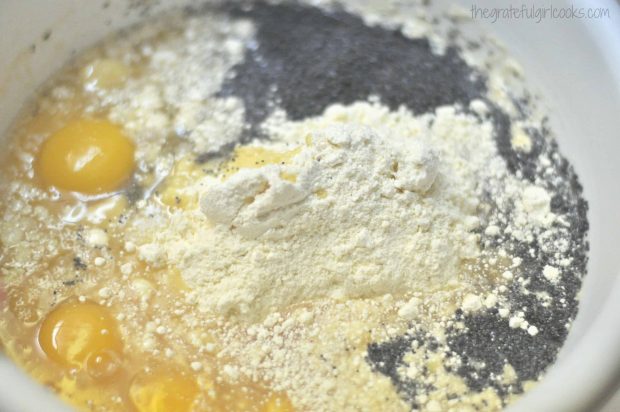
[(177, 191), (163, 391), (250, 157), (88, 156), (77, 334)]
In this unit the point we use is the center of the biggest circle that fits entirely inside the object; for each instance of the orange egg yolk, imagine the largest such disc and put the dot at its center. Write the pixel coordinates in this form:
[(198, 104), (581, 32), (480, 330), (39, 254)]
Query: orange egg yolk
[(77, 334), (87, 156), (163, 391)]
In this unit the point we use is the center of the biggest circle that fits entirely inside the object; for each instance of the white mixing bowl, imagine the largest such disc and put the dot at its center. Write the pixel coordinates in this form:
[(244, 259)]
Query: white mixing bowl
[(574, 64)]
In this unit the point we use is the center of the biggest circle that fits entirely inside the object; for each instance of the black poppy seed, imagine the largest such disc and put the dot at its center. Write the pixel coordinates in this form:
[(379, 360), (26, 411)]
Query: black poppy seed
[(79, 264), (350, 62)]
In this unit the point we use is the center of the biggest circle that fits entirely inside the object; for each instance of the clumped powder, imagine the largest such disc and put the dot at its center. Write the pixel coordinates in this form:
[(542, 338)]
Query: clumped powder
[(381, 202)]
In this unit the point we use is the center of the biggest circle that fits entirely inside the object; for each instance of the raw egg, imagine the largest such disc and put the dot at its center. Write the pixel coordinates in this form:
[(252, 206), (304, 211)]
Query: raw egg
[(88, 156), (76, 333)]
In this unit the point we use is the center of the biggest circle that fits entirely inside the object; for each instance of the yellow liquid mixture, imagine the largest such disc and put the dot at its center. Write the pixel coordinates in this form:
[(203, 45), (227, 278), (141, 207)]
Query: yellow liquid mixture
[(57, 320)]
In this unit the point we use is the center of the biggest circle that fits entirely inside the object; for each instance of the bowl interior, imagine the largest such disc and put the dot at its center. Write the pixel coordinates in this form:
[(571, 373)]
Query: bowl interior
[(574, 64)]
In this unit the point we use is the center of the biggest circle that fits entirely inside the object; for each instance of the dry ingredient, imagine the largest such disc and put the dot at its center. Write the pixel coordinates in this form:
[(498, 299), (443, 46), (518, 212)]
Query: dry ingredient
[(373, 203), (330, 210)]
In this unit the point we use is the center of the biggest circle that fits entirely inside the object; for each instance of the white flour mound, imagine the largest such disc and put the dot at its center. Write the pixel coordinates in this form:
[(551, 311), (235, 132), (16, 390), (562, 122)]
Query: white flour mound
[(381, 203)]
